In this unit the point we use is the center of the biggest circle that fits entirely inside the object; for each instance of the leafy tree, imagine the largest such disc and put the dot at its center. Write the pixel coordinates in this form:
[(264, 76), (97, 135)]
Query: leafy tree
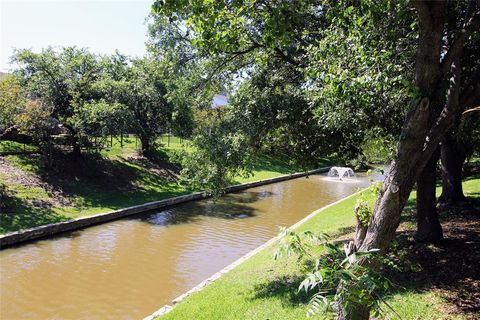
[(210, 168), (142, 90), (36, 120), (99, 119), (186, 70), (276, 117), (377, 146), (429, 75), (268, 50), (12, 101), (61, 79)]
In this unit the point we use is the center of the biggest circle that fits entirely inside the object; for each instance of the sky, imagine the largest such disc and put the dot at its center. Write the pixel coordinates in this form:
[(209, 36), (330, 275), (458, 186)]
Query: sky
[(102, 26)]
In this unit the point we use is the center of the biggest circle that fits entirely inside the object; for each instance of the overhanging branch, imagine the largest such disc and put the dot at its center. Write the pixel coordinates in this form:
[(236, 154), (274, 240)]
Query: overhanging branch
[(470, 26)]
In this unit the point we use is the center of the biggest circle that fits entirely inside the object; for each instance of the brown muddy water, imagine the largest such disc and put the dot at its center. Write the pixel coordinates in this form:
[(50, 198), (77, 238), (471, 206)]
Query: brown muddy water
[(129, 268)]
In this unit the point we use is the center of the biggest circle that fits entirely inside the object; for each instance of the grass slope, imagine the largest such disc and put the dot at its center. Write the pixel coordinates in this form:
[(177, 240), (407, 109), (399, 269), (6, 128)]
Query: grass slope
[(113, 179), (262, 288)]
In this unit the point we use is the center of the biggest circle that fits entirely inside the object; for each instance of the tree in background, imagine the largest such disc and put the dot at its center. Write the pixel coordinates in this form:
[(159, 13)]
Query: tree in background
[(102, 119), (210, 167), (95, 96), (12, 101), (142, 89), (187, 74), (276, 117), (36, 120), (463, 139), (60, 79)]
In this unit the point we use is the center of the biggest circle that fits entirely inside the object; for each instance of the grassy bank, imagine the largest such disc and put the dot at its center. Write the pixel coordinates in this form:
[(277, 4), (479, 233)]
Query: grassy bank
[(262, 288), (111, 179)]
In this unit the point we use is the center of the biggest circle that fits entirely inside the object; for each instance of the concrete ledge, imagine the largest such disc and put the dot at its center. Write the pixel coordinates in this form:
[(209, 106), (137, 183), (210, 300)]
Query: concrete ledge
[(167, 308), (17, 237)]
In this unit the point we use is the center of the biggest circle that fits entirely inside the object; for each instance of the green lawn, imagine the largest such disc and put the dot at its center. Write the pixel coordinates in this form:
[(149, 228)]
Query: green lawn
[(262, 288), (100, 183), (12, 146)]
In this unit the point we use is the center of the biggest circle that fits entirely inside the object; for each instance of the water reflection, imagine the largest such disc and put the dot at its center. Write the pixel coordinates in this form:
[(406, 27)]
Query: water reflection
[(230, 206)]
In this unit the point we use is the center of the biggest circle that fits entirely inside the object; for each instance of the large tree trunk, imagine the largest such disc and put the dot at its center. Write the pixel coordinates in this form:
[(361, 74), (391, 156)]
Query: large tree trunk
[(452, 158), (420, 137), (146, 145), (428, 226)]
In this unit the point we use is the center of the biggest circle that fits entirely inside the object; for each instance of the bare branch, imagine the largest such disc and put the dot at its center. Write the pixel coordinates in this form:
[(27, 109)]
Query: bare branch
[(471, 110)]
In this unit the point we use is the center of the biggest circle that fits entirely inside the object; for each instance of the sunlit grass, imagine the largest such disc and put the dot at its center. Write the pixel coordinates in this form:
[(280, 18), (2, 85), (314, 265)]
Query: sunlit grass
[(92, 196), (12, 146), (262, 288)]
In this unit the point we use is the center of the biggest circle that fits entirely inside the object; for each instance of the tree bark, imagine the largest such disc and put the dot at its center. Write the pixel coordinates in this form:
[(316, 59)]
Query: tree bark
[(146, 145), (429, 228), (452, 158), (420, 136)]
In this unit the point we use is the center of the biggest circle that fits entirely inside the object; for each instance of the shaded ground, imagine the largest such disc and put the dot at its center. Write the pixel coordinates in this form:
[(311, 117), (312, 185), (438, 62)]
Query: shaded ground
[(14, 175), (114, 178), (73, 187), (451, 268)]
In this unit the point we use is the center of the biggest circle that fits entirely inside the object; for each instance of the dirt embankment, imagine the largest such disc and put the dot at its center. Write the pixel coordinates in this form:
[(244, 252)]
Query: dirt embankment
[(14, 176)]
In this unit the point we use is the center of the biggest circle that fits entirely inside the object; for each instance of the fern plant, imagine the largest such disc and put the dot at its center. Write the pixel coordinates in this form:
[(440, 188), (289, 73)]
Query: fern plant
[(327, 267)]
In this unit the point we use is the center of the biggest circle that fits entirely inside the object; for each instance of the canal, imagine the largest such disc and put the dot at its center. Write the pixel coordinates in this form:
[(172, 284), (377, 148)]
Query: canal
[(127, 269)]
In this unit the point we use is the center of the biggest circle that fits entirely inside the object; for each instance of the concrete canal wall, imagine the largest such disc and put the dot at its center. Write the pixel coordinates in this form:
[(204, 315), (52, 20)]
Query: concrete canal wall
[(167, 308), (17, 237)]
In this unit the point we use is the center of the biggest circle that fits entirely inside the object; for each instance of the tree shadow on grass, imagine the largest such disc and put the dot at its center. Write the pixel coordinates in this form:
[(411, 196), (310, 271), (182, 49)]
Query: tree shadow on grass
[(343, 231), (266, 163), (284, 288), (473, 199), (89, 169), (450, 268), (95, 181), (16, 214), (446, 212)]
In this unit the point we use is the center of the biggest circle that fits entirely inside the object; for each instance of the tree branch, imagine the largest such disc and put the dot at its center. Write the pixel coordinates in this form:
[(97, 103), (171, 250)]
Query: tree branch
[(472, 25), (449, 113), (283, 56)]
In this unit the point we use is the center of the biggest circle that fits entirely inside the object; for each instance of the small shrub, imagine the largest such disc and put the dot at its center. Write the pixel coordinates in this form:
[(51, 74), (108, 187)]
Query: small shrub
[(326, 264)]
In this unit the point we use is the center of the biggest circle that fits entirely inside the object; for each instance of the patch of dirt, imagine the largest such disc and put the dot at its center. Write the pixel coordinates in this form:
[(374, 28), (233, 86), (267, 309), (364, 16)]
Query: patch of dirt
[(69, 176), (16, 176), (160, 167)]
